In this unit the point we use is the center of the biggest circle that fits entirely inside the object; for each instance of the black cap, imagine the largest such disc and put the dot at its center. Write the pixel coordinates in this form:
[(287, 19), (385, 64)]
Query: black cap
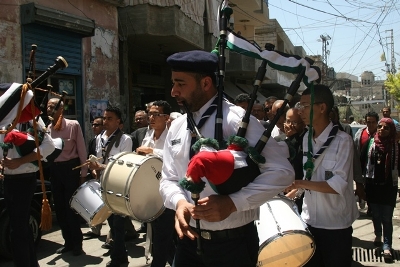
[(196, 61), (4, 86)]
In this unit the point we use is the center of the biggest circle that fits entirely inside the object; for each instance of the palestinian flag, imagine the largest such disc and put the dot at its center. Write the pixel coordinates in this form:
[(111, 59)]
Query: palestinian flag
[(23, 142), (58, 147), (277, 60), (9, 103)]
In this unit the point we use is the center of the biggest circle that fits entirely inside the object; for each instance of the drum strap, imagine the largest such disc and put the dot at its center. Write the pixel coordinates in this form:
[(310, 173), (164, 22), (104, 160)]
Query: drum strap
[(114, 139)]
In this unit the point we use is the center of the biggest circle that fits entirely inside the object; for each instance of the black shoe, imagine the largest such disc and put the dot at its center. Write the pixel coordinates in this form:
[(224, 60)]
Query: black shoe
[(107, 245), (387, 256), (116, 263), (63, 250), (90, 234)]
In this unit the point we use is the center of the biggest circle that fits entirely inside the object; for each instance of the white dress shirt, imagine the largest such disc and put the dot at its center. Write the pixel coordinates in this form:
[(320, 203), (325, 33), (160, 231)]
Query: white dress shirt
[(157, 145), (276, 173), (125, 145), (331, 211), (277, 134)]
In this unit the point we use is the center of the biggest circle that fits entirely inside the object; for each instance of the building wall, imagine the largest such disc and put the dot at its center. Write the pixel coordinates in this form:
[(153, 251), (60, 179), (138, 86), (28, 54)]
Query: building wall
[(100, 76)]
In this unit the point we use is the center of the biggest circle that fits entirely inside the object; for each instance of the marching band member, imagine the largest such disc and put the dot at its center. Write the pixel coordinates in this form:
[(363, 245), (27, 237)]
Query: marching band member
[(111, 142), (163, 248), (19, 187), (230, 236), (329, 206)]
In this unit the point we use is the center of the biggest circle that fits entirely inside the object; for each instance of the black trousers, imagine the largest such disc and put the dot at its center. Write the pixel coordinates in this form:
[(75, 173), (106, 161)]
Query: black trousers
[(64, 182), (333, 247), (117, 227), (163, 239), (239, 252), (18, 194)]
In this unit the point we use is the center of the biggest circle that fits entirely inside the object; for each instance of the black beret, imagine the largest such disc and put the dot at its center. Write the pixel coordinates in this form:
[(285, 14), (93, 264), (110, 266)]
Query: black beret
[(5, 86), (196, 61)]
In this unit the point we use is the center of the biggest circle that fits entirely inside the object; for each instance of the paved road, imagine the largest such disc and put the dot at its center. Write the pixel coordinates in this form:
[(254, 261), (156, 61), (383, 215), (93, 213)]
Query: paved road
[(365, 253)]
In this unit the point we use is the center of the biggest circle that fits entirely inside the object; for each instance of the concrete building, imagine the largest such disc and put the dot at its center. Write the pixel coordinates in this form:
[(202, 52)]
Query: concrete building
[(85, 33), (117, 49), (277, 82), (362, 96)]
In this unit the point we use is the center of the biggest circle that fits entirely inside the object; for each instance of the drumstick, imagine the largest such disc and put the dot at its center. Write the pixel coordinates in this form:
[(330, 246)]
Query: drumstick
[(92, 158)]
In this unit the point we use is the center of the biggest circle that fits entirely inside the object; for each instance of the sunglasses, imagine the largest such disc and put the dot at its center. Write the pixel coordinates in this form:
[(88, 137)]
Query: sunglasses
[(384, 127)]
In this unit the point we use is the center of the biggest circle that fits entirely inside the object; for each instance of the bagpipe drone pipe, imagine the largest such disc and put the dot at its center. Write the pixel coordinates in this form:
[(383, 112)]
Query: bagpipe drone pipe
[(17, 105)]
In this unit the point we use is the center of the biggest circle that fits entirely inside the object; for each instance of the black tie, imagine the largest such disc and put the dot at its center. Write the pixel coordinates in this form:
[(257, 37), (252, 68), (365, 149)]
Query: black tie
[(203, 120)]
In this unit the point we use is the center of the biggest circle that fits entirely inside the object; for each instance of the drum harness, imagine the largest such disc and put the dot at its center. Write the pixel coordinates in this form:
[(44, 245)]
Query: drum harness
[(115, 138)]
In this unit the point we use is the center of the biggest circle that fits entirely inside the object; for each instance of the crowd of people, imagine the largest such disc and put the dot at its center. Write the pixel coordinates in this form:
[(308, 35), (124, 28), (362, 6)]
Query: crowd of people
[(311, 158)]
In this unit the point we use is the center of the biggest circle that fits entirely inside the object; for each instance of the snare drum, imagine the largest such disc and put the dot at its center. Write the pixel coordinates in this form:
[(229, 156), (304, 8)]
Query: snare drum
[(284, 237), (130, 185), (87, 202)]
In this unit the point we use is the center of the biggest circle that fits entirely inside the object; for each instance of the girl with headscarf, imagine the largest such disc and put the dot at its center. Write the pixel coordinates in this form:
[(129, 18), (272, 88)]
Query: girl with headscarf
[(380, 158)]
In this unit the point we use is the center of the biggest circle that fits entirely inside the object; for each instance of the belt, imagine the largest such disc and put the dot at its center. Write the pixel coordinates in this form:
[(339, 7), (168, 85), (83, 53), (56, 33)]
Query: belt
[(373, 181), (71, 161), (21, 175), (228, 233)]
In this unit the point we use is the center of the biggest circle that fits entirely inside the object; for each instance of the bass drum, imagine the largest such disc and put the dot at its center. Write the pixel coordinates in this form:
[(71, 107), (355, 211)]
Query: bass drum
[(284, 237), (130, 186)]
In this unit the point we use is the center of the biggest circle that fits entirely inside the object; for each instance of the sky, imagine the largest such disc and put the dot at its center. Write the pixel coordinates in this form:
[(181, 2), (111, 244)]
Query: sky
[(359, 31)]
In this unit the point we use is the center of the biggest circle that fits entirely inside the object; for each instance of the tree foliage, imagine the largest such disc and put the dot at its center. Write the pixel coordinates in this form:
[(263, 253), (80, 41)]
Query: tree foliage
[(392, 85)]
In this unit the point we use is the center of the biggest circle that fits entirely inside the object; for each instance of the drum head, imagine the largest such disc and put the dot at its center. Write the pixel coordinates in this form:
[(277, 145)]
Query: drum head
[(291, 249), (145, 199), (100, 215)]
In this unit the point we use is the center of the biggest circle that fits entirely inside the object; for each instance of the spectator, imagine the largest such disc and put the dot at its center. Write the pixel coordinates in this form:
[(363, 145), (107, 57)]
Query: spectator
[(141, 119), (335, 118), (380, 164), (242, 100), (279, 131), (268, 108), (64, 179)]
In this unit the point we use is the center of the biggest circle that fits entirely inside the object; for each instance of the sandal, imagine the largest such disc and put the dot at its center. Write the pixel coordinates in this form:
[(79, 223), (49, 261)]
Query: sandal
[(387, 256)]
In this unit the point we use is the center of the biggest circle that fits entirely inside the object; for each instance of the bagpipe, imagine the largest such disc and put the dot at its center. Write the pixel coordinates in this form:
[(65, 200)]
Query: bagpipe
[(18, 106), (216, 159)]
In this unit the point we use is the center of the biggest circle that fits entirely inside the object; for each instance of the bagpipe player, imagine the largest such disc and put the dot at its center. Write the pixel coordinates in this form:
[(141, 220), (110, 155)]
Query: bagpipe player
[(229, 234), (19, 168)]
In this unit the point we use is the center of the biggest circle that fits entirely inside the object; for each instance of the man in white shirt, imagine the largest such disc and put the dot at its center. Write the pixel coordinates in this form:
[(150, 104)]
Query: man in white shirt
[(163, 248), (228, 231), (120, 142), (329, 206)]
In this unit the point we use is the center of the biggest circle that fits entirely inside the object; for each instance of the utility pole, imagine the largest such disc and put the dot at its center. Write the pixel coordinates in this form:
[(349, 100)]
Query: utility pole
[(393, 59), (325, 52), (392, 69)]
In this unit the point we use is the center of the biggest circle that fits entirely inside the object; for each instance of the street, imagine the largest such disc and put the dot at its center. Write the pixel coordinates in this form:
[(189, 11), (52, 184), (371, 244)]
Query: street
[(364, 252)]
